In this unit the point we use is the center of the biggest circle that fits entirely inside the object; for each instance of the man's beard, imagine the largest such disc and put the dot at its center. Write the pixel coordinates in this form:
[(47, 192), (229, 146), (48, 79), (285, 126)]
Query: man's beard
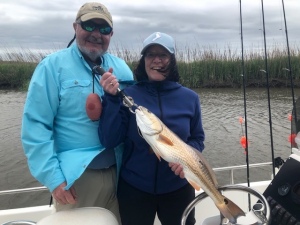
[(92, 55)]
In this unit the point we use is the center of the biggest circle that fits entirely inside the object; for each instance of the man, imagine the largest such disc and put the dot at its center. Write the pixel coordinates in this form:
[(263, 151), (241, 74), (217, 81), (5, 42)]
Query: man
[(59, 139)]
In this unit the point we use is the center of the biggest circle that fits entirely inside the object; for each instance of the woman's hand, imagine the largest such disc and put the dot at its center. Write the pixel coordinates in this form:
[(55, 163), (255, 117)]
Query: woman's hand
[(109, 82), (177, 169)]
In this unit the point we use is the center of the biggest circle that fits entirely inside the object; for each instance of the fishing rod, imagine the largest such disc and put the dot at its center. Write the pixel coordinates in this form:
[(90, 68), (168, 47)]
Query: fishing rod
[(266, 71), (289, 69), (245, 103), (127, 100)]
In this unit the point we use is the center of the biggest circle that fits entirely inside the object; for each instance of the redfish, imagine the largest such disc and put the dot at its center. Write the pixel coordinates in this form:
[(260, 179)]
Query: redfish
[(197, 171)]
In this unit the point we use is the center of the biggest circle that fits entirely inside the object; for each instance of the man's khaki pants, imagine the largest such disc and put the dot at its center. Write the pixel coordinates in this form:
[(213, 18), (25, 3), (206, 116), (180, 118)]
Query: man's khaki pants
[(95, 188)]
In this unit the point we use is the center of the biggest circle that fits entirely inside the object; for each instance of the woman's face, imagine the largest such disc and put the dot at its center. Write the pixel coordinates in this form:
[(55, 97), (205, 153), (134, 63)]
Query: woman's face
[(157, 60)]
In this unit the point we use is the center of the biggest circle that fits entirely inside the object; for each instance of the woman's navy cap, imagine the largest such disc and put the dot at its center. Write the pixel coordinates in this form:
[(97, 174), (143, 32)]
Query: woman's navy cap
[(159, 38)]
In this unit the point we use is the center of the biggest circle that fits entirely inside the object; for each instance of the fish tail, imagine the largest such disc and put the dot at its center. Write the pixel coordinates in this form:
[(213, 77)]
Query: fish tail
[(230, 210)]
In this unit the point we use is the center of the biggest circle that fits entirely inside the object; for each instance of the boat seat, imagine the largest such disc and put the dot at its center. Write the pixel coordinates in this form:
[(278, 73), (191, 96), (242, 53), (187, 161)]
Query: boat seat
[(20, 222), (79, 216)]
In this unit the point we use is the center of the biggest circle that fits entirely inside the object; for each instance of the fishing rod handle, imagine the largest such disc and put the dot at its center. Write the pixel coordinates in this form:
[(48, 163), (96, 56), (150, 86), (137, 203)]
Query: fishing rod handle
[(99, 70)]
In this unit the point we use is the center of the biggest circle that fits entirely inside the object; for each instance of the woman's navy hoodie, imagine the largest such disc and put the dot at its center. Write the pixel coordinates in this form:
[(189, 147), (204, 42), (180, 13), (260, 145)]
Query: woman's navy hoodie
[(179, 109)]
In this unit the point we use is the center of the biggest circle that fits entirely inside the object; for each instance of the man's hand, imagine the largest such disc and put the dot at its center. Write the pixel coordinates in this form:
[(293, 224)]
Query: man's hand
[(63, 196), (177, 169)]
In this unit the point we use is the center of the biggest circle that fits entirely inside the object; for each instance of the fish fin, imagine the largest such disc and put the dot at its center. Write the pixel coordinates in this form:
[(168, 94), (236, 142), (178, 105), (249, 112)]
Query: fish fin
[(140, 133), (194, 185), (230, 210), (165, 139), (151, 151), (158, 156)]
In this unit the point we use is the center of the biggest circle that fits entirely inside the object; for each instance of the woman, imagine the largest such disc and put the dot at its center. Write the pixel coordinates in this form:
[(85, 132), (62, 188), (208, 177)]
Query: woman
[(148, 186)]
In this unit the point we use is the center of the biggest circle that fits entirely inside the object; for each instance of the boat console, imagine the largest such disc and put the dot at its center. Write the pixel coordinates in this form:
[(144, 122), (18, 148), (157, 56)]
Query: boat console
[(283, 193)]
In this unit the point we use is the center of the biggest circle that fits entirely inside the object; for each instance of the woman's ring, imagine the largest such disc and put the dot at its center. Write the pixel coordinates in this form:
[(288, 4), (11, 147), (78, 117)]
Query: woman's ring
[(111, 84)]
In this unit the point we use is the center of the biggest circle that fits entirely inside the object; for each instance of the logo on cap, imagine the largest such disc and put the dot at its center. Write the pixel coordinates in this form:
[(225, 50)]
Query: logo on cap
[(99, 8), (157, 35)]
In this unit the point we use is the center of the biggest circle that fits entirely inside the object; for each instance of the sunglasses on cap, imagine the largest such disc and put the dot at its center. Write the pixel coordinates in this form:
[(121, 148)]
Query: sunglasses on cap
[(91, 26)]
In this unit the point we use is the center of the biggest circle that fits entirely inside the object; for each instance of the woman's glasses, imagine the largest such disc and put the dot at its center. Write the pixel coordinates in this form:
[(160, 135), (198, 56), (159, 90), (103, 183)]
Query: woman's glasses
[(91, 26), (153, 55)]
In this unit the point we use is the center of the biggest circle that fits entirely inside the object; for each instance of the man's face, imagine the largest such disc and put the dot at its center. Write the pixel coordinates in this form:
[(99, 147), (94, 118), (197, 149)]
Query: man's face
[(92, 44)]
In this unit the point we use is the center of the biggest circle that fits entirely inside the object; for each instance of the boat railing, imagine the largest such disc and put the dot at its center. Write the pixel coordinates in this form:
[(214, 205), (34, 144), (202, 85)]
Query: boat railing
[(23, 190), (231, 170)]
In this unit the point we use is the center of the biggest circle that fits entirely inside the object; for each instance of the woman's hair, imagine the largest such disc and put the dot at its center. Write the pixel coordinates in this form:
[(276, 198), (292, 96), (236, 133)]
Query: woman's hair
[(141, 75)]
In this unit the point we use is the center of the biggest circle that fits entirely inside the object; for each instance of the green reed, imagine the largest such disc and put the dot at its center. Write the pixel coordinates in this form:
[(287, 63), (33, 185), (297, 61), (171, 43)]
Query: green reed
[(200, 67), (15, 75)]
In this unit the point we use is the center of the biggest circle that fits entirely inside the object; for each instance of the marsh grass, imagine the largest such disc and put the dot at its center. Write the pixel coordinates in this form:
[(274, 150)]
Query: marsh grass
[(15, 74), (199, 67)]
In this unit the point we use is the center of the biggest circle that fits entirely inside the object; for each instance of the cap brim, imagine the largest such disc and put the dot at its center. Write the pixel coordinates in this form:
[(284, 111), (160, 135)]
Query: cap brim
[(148, 45), (90, 16)]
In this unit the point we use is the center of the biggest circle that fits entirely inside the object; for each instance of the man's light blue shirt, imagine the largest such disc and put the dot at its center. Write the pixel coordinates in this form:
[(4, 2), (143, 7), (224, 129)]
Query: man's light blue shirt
[(58, 138)]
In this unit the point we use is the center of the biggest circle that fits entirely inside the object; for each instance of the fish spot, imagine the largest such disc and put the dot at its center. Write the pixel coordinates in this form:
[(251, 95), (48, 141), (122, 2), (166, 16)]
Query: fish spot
[(225, 201)]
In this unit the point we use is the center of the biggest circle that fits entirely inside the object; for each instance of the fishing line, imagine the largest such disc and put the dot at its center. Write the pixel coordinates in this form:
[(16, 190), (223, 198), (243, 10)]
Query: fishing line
[(289, 69), (261, 39), (281, 19), (266, 71), (245, 104)]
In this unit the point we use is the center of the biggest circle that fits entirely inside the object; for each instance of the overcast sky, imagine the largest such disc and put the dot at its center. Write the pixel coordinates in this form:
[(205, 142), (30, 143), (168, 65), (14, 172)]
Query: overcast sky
[(39, 24)]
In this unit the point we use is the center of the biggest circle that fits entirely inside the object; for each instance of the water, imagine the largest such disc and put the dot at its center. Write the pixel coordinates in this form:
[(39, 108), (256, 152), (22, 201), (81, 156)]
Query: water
[(221, 109)]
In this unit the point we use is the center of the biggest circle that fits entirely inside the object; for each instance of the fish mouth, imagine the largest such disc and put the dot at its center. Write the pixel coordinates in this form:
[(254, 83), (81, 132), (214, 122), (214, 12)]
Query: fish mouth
[(148, 126), (138, 109), (142, 109)]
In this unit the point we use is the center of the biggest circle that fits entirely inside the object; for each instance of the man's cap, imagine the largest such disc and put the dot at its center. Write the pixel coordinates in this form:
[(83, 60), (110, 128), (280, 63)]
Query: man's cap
[(94, 10), (159, 38)]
